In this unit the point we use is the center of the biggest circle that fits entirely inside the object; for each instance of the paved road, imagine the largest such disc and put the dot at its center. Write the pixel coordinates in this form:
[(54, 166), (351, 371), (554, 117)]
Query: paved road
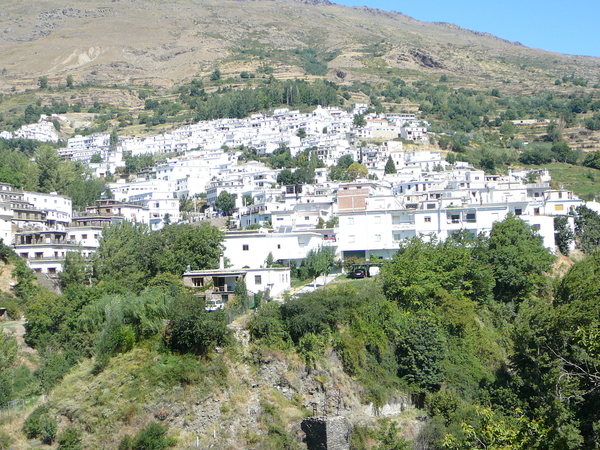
[(310, 287)]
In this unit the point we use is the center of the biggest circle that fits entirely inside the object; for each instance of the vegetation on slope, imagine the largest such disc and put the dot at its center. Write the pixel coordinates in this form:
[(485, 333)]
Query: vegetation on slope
[(476, 331)]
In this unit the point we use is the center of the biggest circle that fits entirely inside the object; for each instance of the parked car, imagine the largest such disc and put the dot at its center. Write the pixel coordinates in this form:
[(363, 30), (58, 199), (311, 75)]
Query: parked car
[(358, 273), (213, 305)]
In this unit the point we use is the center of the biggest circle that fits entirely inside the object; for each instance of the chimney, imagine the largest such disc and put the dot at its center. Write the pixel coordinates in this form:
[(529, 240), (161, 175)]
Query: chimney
[(221, 262)]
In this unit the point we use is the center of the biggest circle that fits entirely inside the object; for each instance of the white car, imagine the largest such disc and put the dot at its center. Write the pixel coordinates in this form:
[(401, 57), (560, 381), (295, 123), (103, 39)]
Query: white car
[(213, 305)]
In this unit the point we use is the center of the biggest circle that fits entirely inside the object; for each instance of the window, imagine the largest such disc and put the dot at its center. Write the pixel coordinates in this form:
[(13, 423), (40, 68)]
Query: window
[(351, 238), (397, 236), (198, 282), (430, 205), (278, 246), (306, 218), (72, 237), (258, 279), (455, 218), (245, 247), (84, 236), (536, 211), (350, 220), (471, 218), (558, 207), (377, 238), (427, 219), (518, 211)]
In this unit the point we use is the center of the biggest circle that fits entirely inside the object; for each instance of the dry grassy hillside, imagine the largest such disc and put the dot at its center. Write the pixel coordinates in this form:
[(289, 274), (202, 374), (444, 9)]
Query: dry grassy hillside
[(164, 42)]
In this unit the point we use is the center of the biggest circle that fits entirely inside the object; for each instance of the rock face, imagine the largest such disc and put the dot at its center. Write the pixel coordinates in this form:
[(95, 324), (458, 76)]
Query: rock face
[(327, 433)]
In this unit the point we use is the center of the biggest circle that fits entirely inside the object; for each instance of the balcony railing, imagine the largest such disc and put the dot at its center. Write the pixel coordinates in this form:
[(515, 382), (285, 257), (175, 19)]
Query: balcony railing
[(223, 289)]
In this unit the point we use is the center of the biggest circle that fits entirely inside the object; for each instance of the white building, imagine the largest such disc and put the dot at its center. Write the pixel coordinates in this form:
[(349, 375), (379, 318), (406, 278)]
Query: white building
[(250, 249)]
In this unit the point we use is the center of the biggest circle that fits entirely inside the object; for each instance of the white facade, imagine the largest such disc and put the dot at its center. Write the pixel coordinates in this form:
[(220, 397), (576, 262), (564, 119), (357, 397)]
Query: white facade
[(251, 249)]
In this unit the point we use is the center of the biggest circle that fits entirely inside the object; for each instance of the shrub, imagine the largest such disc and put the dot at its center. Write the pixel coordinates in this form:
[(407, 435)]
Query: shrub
[(153, 437), (5, 441), (194, 330), (70, 439), (41, 424)]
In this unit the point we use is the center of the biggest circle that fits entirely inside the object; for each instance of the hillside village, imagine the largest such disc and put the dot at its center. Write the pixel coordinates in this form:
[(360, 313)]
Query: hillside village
[(293, 225), (367, 218)]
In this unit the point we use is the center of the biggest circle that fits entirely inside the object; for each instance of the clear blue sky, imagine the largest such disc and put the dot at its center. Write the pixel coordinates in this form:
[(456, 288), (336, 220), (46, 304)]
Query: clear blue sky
[(570, 27)]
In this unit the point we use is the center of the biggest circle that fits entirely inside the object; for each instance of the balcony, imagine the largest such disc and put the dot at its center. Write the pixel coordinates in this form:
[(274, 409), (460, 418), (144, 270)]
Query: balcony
[(57, 242), (223, 289), (403, 225)]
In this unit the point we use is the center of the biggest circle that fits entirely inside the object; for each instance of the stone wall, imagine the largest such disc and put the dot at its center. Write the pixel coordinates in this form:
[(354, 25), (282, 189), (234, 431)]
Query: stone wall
[(327, 433)]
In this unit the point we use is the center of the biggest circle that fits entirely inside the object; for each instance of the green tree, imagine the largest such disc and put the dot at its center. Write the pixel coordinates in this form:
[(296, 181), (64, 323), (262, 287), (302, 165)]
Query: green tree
[(357, 170), (43, 82), (8, 358), (507, 129), (85, 189), (176, 246), (390, 167), (225, 202), (113, 138), (286, 177), (359, 120), (247, 200), (241, 292), (492, 432), (215, 75), (122, 261), (319, 262), (345, 161), (70, 81), (420, 272), (420, 352), (592, 160), (587, 229), (48, 163), (563, 235), (269, 260), (518, 259), (301, 133), (555, 130), (192, 329), (76, 270), (563, 152), (96, 158)]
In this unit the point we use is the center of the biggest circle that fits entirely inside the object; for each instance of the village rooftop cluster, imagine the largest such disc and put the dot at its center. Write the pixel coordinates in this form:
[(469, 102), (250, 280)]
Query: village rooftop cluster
[(367, 218)]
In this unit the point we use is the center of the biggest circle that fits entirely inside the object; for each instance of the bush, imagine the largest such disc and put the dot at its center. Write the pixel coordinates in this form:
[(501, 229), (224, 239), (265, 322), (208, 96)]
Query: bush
[(267, 326), (41, 424), (194, 330), (70, 439), (5, 441), (153, 437)]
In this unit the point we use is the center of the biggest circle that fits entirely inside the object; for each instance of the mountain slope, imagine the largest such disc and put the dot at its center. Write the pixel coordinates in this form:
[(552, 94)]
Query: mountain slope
[(160, 42)]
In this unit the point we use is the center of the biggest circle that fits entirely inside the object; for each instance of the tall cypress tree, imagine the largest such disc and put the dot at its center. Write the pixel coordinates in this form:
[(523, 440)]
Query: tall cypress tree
[(390, 167)]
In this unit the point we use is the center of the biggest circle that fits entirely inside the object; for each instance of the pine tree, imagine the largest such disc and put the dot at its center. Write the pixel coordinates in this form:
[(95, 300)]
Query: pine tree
[(390, 167)]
